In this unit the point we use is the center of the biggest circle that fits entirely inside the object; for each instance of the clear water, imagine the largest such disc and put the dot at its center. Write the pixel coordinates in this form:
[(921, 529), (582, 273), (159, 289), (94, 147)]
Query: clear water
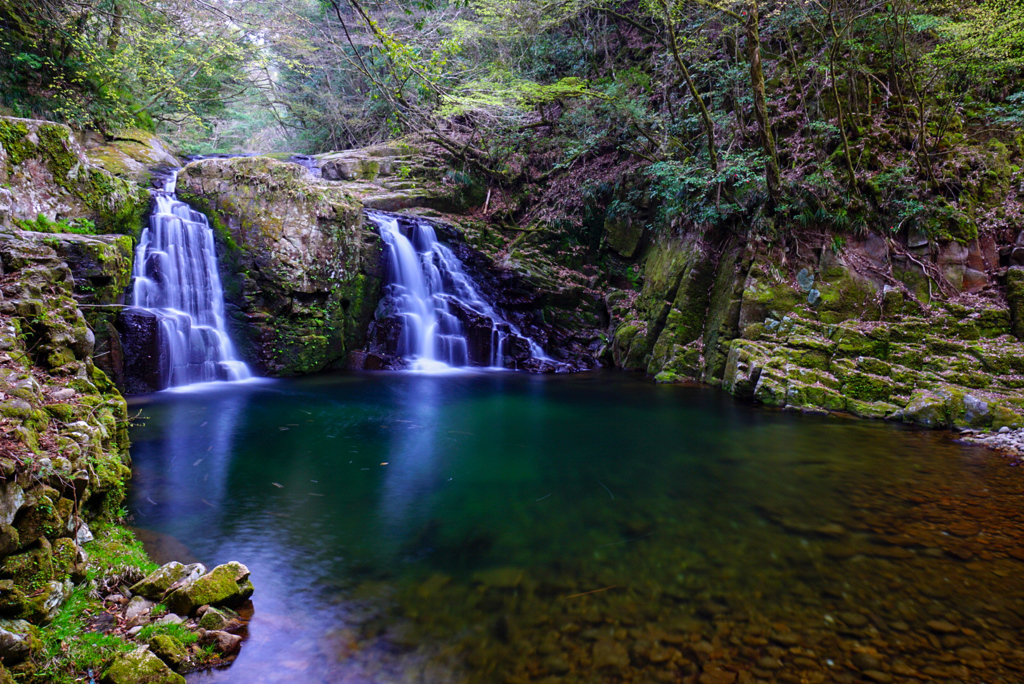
[(403, 527)]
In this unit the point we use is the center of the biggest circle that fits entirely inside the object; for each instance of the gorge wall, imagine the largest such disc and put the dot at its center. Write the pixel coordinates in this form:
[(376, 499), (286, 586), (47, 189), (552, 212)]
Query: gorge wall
[(916, 330)]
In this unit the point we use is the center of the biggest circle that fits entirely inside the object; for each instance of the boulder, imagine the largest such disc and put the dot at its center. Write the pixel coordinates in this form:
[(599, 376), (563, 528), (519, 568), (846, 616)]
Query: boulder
[(18, 640), (219, 619), (225, 585), (224, 643), (927, 409), (170, 650), (140, 667), (154, 585), (136, 607)]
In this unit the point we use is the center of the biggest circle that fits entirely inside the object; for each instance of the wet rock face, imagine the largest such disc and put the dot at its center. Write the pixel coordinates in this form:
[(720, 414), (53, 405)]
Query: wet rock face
[(301, 270), (139, 334)]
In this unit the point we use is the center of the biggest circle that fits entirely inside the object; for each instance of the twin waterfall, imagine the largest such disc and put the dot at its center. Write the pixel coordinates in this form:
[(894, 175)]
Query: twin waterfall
[(434, 312), (444, 320), (175, 276)]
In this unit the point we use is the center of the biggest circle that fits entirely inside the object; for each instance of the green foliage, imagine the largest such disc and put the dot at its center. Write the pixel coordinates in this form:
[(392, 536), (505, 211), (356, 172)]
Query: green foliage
[(70, 648), (179, 632), (115, 65), (79, 226), (115, 547)]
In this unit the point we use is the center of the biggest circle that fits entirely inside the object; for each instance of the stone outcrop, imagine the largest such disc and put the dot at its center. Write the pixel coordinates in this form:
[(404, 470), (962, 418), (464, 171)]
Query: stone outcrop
[(393, 176), (132, 154), (44, 173), (871, 327), (301, 271)]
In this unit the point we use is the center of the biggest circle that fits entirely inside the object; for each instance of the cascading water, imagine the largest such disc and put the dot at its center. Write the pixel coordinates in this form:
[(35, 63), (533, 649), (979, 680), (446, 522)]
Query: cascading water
[(175, 278), (435, 301)]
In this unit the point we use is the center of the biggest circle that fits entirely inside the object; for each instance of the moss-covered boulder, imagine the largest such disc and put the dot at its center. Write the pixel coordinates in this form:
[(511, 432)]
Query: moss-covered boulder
[(301, 270), (44, 172), (140, 667), (226, 585), (19, 640), (132, 154), (170, 650), (156, 584)]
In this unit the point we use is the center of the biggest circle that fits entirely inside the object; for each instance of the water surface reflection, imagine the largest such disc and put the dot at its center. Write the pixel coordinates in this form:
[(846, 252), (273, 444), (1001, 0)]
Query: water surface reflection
[(501, 527)]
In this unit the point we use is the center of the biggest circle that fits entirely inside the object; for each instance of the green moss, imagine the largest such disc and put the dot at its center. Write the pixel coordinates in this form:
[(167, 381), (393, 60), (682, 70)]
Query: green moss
[(867, 387), (13, 138), (115, 547), (179, 633), (140, 667), (30, 570)]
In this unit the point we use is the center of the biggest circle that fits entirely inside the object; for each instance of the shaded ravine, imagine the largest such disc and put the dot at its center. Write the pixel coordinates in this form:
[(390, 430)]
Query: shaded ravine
[(506, 527)]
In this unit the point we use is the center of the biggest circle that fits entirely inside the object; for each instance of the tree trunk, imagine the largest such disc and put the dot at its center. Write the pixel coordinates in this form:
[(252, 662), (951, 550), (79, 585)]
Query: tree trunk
[(761, 105)]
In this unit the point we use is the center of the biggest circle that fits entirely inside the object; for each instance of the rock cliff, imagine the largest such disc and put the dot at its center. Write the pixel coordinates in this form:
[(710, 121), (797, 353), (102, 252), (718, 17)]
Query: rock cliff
[(301, 271), (910, 329)]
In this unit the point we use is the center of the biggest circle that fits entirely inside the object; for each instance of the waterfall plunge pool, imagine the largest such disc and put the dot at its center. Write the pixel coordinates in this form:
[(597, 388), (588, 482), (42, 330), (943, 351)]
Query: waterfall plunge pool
[(502, 527)]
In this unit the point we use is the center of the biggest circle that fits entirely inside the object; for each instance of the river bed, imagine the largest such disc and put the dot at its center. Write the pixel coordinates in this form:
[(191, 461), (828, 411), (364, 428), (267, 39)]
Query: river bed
[(503, 527)]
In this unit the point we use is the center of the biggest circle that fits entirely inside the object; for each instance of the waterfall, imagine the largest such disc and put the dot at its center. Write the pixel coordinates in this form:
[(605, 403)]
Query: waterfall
[(444, 320), (175, 278)]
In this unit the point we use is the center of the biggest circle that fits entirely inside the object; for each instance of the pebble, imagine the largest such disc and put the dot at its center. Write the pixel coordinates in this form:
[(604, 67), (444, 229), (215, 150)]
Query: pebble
[(941, 626), (855, 620)]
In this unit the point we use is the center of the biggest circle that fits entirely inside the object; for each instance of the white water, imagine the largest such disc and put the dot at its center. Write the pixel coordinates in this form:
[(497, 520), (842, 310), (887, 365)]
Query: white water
[(176, 278), (425, 279)]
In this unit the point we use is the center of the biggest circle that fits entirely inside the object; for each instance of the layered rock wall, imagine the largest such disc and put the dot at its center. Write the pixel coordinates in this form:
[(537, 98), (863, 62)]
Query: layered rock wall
[(44, 173), (916, 331), (64, 458)]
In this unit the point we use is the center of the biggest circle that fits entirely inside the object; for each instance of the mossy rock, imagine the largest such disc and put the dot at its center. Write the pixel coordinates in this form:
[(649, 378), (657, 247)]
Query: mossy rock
[(870, 409), (19, 641), (868, 387), (216, 619), (140, 667), (154, 585), (170, 650), (771, 388), (807, 396), (1004, 415), (226, 585), (31, 569), (622, 234), (42, 519), (927, 409), (1015, 300)]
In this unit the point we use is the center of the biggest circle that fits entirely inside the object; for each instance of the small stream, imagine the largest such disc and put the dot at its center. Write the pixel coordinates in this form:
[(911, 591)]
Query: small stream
[(501, 527)]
